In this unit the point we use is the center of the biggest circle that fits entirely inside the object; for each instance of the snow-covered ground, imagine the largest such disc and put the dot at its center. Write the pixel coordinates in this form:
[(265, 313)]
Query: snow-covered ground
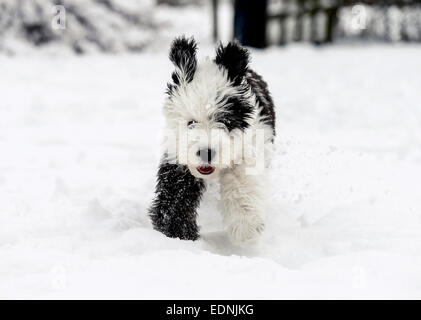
[(79, 150)]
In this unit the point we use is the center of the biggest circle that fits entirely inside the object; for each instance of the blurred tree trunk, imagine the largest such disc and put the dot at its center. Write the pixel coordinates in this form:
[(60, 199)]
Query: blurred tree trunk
[(299, 21), (331, 21), (215, 20), (250, 22), (314, 22), (283, 29)]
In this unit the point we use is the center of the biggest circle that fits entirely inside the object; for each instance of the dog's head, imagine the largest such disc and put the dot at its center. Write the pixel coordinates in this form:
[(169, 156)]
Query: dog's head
[(208, 105)]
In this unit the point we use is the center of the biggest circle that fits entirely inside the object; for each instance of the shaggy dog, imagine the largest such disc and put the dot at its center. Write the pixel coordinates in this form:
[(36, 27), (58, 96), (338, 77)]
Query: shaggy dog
[(220, 124)]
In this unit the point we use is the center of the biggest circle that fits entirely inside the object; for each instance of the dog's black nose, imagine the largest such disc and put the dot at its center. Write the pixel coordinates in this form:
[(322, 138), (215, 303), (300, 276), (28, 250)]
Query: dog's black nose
[(206, 154)]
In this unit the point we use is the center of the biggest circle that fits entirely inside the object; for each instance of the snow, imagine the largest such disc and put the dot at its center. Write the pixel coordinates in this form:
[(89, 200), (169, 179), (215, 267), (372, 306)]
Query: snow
[(79, 141)]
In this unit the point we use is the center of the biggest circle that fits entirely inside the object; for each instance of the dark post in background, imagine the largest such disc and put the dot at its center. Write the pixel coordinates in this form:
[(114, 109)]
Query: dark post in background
[(215, 20), (250, 22)]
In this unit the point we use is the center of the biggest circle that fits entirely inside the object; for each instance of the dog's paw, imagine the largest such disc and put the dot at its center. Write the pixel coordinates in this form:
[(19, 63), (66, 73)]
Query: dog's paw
[(183, 230), (246, 231)]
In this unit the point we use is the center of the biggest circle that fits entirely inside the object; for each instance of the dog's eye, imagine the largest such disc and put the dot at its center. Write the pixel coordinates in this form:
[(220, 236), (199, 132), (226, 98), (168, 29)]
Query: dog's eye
[(191, 123)]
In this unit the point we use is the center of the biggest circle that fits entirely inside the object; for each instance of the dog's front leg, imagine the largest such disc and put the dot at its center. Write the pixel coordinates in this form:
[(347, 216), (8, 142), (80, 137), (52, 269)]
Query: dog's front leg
[(242, 205), (177, 197)]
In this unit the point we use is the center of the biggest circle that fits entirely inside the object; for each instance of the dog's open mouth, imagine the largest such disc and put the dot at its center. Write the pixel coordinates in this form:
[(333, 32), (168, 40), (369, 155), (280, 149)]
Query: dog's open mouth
[(206, 169)]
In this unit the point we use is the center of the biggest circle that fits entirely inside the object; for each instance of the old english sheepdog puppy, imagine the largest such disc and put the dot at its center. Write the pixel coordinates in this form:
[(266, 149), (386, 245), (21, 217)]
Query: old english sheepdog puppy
[(220, 124)]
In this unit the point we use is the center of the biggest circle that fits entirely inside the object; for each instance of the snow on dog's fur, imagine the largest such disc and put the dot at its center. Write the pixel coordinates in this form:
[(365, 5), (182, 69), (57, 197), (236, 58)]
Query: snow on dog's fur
[(220, 124)]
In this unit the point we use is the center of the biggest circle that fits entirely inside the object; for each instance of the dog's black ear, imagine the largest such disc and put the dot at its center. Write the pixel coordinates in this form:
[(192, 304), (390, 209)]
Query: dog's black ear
[(183, 55), (234, 58)]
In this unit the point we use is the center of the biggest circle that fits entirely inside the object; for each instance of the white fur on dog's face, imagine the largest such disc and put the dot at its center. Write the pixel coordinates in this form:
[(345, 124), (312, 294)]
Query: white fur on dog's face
[(208, 108), (191, 113)]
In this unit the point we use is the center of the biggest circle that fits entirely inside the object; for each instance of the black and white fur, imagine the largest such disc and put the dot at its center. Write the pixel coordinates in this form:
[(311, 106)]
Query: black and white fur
[(226, 97)]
